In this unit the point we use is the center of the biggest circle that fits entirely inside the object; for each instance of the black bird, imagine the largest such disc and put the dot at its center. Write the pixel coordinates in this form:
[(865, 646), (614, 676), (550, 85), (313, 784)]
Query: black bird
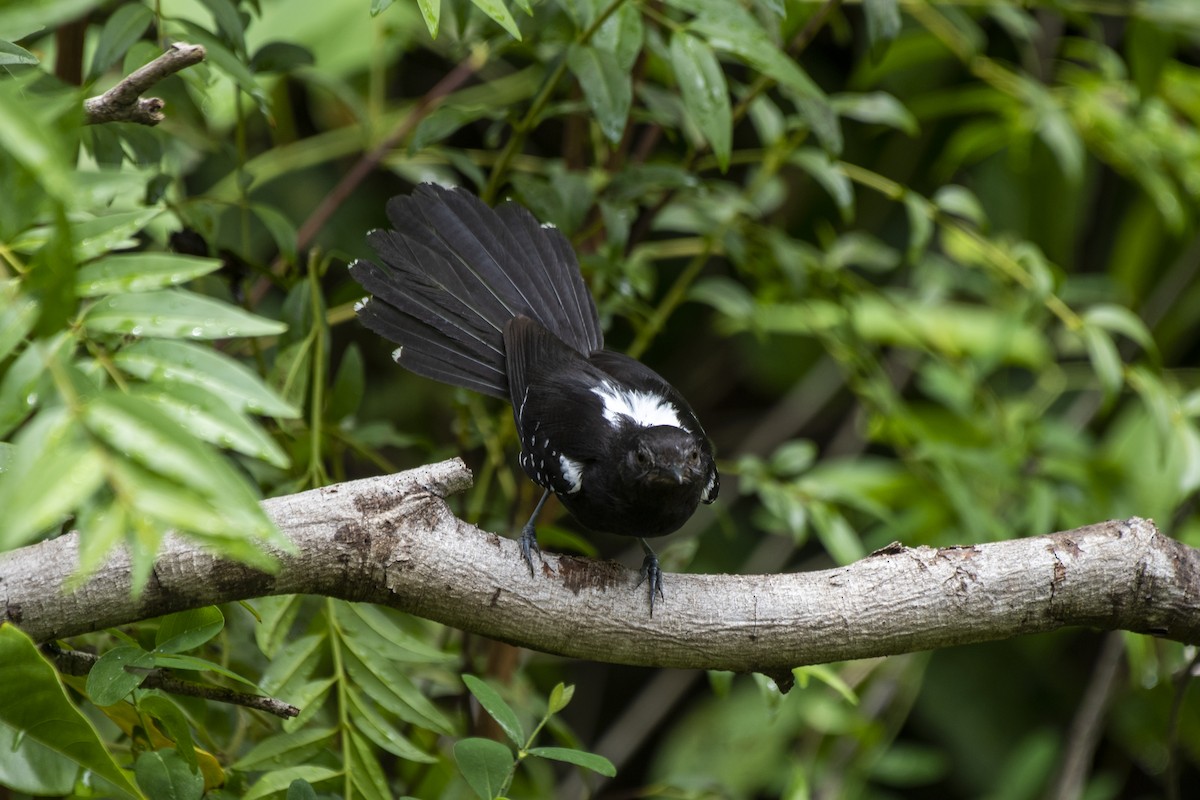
[(490, 300)]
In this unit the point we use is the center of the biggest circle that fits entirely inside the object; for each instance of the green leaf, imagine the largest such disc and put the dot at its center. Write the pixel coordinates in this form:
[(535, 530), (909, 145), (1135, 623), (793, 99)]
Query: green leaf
[(136, 427), (579, 758), (223, 59), (166, 775), (185, 508), (140, 272), (301, 789), (229, 22), (183, 362), (23, 137), (282, 229), (730, 28), (53, 471), (294, 665), (383, 733), (27, 384), (827, 676), (499, 710), (836, 535), (281, 780), (171, 717), (275, 618), (883, 22), (124, 27), (286, 749), (485, 764), (560, 697), (1106, 361), (368, 779), (607, 88), (109, 682), (17, 319), (15, 54), (961, 202), (280, 57), (364, 620), (187, 630), (1056, 130), (210, 417), (349, 385), (825, 171), (176, 314), (623, 34), (705, 93), (1119, 319), (29, 766), (445, 120), (194, 664), (93, 237), (498, 12), (391, 688), (877, 108), (920, 225), (431, 12), (34, 704)]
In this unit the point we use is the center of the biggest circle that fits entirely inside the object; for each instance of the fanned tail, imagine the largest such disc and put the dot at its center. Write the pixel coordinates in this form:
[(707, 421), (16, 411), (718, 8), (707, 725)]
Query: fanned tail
[(453, 272)]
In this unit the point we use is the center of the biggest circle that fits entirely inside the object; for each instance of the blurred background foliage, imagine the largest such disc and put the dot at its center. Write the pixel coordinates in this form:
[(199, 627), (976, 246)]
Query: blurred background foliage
[(927, 271)]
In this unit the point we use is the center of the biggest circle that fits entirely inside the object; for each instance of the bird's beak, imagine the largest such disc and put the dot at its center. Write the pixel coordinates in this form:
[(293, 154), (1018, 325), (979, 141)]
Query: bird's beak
[(669, 475)]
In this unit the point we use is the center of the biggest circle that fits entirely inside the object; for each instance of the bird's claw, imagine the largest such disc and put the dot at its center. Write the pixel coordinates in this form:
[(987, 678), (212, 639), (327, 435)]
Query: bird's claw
[(652, 573), (529, 546)]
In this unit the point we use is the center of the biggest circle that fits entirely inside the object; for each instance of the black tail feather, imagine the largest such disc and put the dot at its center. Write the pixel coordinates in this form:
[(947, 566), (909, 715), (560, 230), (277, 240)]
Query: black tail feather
[(454, 272)]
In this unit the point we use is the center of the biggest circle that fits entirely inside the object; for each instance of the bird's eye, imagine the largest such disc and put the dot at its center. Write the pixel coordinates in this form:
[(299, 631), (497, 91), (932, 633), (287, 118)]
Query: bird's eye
[(643, 458), (694, 456)]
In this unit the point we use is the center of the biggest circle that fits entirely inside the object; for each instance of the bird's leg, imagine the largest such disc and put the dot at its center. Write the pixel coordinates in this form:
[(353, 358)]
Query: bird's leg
[(528, 539), (651, 572)]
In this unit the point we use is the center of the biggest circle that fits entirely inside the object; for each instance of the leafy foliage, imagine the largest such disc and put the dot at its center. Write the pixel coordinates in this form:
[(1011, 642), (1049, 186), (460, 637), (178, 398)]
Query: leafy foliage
[(927, 271)]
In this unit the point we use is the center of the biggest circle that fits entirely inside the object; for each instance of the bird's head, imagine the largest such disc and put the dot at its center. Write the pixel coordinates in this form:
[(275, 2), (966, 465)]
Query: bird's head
[(666, 456)]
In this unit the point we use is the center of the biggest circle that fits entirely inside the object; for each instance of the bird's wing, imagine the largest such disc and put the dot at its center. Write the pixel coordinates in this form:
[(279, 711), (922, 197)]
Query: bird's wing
[(551, 387)]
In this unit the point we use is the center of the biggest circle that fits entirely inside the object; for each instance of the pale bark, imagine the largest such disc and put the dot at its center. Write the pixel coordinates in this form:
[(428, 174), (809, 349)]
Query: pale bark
[(392, 540), (124, 102)]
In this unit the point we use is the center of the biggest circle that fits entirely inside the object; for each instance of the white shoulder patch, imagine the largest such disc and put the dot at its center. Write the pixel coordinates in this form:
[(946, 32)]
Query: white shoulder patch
[(642, 408), (572, 472)]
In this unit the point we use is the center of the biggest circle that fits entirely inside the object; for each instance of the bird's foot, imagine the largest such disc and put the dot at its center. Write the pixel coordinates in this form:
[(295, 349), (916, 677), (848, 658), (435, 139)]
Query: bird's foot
[(529, 546), (653, 574)]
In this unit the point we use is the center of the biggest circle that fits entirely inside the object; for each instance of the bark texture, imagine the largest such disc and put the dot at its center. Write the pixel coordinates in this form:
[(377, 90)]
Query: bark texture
[(124, 102), (393, 540)]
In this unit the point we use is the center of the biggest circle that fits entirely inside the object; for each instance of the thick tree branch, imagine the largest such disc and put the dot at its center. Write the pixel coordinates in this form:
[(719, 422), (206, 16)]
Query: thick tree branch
[(124, 102), (392, 540)]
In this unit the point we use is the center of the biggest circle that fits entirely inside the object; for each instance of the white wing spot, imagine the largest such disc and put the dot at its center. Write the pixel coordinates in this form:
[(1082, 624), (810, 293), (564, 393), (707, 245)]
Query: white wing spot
[(399, 351), (706, 495), (359, 305), (642, 408), (572, 472)]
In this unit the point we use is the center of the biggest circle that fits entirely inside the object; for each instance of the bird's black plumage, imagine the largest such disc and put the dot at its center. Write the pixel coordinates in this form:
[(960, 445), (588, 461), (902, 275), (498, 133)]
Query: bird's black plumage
[(490, 300)]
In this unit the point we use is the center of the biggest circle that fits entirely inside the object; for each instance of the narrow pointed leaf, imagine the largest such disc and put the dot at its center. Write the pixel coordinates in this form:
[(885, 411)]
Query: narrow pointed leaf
[(183, 362), (124, 273), (498, 12), (705, 93), (176, 315), (607, 88), (579, 758), (499, 710), (189, 629)]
